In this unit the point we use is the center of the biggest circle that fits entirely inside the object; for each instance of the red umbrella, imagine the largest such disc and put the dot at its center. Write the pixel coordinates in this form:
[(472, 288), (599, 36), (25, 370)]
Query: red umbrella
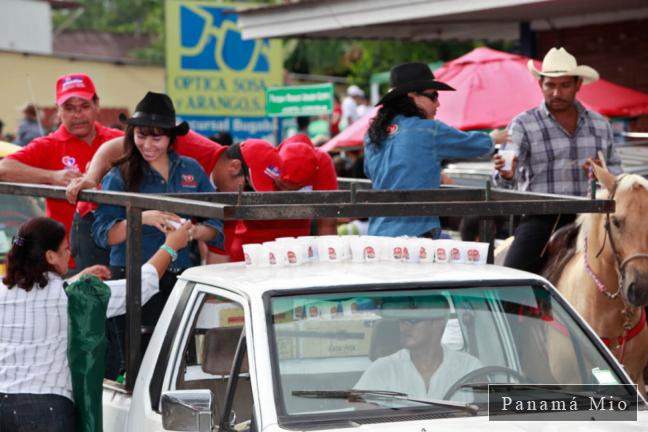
[(493, 87)]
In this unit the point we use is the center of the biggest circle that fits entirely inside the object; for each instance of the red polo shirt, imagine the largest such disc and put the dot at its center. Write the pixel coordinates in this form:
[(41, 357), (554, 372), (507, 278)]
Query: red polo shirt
[(62, 150)]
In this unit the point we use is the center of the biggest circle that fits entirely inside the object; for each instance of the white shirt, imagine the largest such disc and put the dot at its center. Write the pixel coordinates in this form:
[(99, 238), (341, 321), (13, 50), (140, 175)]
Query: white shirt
[(349, 111), (396, 372), (33, 333)]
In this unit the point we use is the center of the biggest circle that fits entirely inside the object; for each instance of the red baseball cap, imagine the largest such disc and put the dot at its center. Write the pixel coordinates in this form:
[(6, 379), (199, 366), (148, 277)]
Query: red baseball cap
[(263, 163), (74, 85), (299, 160)]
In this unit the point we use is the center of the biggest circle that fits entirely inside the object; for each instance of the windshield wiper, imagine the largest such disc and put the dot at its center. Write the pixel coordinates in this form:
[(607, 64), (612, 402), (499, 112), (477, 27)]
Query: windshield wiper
[(364, 396)]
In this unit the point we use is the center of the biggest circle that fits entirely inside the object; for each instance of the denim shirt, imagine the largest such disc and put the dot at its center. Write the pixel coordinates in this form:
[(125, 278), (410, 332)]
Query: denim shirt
[(185, 175), (410, 158)]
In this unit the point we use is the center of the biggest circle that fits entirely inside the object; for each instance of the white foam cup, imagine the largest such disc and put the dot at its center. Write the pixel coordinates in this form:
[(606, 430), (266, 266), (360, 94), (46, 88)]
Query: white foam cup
[(356, 245), (442, 250), (276, 253), (393, 248), (411, 250), (296, 252), (371, 248), (508, 156), (426, 249), (457, 251), (254, 254), (329, 249), (476, 252), (310, 246)]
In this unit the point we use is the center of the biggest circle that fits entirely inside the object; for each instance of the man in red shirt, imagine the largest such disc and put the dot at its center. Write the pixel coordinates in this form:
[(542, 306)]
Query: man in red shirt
[(305, 168), (62, 156)]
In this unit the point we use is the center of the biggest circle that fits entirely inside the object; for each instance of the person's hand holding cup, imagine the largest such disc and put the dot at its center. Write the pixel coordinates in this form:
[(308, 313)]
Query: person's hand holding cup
[(505, 161)]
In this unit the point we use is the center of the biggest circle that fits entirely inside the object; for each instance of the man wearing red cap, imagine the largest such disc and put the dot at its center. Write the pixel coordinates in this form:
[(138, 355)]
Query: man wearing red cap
[(61, 156), (303, 167)]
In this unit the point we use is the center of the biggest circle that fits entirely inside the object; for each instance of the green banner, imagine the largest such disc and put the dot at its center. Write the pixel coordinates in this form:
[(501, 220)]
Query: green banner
[(308, 100)]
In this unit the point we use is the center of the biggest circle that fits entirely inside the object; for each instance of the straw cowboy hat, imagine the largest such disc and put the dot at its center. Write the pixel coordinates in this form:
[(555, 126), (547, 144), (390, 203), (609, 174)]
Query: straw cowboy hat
[(411, 77), (558, 62)]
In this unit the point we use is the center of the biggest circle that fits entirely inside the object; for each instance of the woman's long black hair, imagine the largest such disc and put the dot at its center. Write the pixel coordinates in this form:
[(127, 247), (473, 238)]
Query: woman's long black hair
[(26, 261), (132, 164), (400, 105)]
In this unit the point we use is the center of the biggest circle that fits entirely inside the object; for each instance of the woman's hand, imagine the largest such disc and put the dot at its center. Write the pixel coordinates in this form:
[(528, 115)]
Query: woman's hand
[(179, 238), (160, 219), (500, 136), (101, 271)]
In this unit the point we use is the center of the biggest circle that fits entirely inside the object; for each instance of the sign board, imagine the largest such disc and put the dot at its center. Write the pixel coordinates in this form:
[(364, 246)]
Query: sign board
[(307, 100), (216, 79)]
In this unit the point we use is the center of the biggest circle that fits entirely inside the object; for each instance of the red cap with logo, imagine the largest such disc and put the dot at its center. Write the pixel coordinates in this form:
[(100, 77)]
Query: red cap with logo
[(74, 85), (263, 162), (299, 160)]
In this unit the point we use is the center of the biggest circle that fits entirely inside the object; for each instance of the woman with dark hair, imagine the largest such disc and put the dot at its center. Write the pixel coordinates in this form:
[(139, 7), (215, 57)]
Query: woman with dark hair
[(404, 146), (35, 384), (150, 165)]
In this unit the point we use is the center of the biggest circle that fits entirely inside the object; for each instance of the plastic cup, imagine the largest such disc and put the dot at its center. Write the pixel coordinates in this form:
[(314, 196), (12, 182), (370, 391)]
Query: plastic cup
[(476, 252), (508, 156)]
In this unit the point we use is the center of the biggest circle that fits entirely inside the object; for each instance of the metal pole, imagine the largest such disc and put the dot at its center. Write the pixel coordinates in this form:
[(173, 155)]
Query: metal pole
[(133, 294)]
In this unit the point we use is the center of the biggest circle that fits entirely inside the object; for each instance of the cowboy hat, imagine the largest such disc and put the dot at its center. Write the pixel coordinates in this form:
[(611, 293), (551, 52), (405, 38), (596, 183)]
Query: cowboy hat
[(156, 110), (558, 62), (411, 77)]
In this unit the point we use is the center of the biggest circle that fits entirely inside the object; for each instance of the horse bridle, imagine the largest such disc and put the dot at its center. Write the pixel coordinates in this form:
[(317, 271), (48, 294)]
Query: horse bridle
[(621, 264)]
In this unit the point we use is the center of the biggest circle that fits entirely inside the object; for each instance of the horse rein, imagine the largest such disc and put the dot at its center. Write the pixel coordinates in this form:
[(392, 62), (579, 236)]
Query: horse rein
[(629, 331)]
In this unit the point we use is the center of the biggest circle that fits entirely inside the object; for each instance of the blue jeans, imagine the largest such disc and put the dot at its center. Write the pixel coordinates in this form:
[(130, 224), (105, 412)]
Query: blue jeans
[(36, 412)]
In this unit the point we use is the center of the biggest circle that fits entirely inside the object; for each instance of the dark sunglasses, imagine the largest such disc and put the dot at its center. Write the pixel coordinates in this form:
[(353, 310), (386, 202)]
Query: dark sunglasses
[(432, 96)]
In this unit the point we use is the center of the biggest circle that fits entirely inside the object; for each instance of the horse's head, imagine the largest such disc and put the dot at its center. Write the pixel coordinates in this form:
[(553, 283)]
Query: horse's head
[(627, 232)]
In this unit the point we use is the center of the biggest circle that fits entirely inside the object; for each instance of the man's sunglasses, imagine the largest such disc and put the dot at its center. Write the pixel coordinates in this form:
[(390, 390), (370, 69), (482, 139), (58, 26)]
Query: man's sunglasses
[(434, 96)]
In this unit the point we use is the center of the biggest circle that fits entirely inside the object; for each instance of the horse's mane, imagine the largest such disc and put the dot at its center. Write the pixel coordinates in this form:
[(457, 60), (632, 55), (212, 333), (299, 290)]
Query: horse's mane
[(585, 220)]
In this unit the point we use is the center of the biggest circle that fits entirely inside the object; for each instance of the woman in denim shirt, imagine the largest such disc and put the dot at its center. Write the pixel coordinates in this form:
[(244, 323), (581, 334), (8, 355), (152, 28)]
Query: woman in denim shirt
[(150, 165), (405, 145)]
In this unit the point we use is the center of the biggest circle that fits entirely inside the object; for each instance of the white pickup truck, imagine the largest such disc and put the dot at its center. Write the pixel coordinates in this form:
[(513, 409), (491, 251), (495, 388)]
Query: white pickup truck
[(273, 349)]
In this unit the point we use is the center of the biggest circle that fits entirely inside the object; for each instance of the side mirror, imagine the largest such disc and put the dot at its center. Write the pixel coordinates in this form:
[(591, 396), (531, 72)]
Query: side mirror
[(189, 410)]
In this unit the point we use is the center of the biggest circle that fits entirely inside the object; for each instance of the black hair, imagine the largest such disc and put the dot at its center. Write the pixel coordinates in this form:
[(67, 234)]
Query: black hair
[(222, 138), (26, 261), (400, 105), (132, 164)]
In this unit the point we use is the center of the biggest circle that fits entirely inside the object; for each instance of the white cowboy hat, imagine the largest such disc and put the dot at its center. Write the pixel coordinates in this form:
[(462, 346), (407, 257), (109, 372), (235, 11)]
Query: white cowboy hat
[(558, 62)]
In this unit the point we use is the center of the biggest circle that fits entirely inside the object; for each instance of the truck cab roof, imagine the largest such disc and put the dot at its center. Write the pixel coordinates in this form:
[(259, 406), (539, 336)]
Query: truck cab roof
[(256, 281)]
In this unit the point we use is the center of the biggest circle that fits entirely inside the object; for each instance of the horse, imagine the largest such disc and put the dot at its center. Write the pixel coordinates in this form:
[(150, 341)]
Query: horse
[(606, 280)]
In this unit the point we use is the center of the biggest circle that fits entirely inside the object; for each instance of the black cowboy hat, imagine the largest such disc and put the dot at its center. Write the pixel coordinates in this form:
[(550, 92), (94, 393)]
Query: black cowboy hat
[(411, 77), (156, 110)]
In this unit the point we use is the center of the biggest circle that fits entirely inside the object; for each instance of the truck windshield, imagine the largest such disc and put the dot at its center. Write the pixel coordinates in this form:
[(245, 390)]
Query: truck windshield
[(345, 353)]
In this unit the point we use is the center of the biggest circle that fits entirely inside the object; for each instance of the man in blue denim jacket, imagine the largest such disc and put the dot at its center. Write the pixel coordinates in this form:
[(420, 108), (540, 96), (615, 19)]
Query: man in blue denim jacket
[(404, 146)]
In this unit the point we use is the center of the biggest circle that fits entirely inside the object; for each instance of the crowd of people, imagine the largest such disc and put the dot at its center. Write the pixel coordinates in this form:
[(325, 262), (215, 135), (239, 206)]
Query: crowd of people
[(405, 147)]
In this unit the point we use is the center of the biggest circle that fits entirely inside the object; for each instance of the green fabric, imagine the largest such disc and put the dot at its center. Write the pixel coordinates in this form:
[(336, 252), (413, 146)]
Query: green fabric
[(87, 305)]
